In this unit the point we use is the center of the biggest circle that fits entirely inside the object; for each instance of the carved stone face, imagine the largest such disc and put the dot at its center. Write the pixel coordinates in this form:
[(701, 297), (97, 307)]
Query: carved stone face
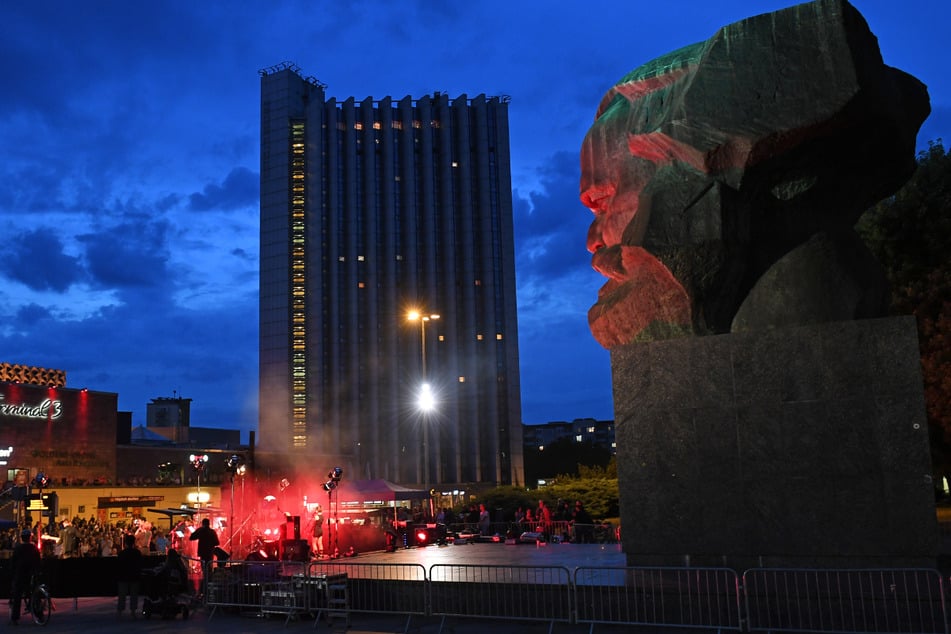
[(762, 146), (640, 289)]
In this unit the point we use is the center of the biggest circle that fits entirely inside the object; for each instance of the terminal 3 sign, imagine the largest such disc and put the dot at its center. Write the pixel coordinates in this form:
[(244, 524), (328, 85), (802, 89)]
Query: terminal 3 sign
[(48, 409)]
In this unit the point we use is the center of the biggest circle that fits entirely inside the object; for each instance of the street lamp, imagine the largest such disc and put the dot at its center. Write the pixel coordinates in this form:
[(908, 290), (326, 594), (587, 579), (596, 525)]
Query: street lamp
[(426, 401), (415, 315)]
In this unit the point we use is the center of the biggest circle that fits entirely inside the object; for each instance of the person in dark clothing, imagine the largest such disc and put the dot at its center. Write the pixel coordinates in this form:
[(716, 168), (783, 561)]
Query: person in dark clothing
[(24, 563), (207, 540), (130, 561), (583, 524)]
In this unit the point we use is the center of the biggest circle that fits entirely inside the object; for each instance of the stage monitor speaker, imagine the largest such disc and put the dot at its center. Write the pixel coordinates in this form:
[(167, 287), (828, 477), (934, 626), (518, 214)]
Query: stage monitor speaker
[(293, 527), (295, 550)]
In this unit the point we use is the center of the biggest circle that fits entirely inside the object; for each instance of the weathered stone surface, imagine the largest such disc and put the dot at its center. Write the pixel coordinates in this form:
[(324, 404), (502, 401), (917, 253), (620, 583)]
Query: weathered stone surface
[(801, 446), (725, 177)]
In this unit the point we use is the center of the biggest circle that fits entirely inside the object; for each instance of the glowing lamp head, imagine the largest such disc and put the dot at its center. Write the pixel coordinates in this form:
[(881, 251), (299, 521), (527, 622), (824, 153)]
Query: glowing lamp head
[(427, 400)]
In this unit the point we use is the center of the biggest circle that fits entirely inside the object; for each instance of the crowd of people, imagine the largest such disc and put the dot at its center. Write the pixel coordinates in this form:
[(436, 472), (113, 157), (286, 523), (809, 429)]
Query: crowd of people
[(80, 537)]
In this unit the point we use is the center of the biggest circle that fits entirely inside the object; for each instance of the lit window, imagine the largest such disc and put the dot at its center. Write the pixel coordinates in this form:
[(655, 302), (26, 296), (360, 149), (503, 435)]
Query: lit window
[(541, 447), (590, 430), (442, 337), (578, 438), (498, 336), (361, 285), (478, 282), (396, 178), (377, 125), (455, 163), (397, 125), (479, 337), (462, 379), (360, 258), (358, 125), (341, 258), (417, 124), (434, 123), (399, 258)]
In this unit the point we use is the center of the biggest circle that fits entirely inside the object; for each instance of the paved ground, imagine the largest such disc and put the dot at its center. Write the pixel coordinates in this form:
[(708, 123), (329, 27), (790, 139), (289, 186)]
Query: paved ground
[(98, 615)]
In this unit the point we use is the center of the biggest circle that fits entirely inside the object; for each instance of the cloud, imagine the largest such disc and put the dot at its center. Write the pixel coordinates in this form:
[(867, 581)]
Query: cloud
[(239, 189), (129, 255), (37, 260)]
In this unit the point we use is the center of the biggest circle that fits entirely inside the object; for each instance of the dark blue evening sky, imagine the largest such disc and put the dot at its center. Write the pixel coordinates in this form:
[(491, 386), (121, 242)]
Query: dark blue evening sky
[(129, 183)]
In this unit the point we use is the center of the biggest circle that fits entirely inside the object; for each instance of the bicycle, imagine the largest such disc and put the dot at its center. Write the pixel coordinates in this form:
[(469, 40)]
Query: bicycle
[(39, 603)]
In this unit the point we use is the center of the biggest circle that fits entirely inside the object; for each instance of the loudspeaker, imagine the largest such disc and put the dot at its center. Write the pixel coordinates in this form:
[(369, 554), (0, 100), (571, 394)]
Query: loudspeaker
[(295, 550), (293, 527)]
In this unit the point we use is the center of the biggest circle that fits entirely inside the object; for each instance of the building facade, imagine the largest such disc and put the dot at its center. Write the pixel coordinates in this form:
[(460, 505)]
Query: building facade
[(371, 209)]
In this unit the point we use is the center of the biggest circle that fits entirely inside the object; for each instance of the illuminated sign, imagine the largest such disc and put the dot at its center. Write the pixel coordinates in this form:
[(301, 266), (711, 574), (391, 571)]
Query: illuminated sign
[(5, 455), (48, 409)]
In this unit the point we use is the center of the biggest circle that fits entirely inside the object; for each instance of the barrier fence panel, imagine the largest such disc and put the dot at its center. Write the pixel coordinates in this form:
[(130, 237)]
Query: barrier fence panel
[(856, 601), (538, 593), (240, 585), (379, 588), (677, 597)]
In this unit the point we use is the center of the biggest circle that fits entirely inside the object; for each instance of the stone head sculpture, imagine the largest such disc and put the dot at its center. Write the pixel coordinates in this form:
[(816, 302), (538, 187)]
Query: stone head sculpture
[(726, 178)]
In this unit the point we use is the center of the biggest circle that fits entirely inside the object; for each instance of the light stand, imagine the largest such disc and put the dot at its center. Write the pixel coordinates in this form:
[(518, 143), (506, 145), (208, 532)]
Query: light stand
[(40, 481), (198, 464), (330, 486), (235, 466)]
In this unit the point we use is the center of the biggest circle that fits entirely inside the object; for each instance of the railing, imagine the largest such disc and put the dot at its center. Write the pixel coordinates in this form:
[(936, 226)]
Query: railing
[(536, 593), (854, 601), (371, 587), (869, 601), (560, 531), (676, 597)]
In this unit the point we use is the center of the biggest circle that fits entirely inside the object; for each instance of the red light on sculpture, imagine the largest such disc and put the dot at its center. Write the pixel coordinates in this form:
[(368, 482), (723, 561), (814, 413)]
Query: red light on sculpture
[(422, 537)]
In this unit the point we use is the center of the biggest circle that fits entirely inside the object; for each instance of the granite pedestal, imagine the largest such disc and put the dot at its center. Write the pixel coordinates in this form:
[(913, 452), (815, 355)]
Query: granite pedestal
[(801, 447)]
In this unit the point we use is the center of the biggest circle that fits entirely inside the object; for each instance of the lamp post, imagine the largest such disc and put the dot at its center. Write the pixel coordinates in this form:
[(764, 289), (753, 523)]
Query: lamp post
[(425, 399)]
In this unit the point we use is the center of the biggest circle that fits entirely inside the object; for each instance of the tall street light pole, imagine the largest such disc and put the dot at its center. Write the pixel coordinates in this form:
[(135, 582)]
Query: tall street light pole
[(425, 402)]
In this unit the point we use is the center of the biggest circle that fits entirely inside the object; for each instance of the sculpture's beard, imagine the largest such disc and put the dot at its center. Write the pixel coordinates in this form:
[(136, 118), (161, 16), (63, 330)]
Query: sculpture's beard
[(640, 295)]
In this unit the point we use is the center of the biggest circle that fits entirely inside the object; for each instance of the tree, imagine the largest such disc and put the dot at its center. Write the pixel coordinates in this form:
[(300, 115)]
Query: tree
[(910, 234), (564, 456)]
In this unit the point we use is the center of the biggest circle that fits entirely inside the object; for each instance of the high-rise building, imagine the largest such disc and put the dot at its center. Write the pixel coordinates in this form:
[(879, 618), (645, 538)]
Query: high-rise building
[(370, 210)]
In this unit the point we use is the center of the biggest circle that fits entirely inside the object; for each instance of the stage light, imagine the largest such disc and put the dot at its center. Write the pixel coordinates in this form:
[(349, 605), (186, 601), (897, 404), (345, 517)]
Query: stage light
[(330, 485), (41, 480), (198, 461), (422, 537), (284, 484), (234, 463), (337, 473)]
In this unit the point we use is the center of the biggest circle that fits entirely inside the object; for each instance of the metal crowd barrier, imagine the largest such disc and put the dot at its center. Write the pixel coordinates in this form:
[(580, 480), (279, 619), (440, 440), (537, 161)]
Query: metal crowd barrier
[(371, 587), (537, 593), (888, 601), (260, 588), (907, 601), (699, 598)]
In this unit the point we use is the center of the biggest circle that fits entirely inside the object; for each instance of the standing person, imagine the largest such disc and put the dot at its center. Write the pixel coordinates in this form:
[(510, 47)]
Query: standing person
[(207, 540), (484, 520), (318, 547), (69, 537), (544, 519), (24, 563), (583, 524), (130, 561)]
